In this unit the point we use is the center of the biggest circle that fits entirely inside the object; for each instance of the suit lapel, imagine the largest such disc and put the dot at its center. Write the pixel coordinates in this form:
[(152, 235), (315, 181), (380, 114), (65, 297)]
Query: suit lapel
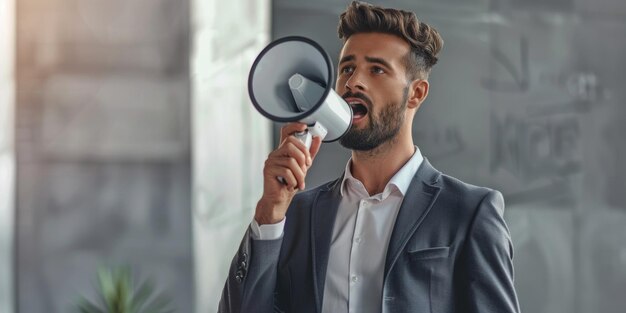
[(323, 214), (419, 198)]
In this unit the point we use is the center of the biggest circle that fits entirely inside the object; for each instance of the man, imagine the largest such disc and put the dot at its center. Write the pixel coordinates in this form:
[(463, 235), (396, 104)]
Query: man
[(392, 234)]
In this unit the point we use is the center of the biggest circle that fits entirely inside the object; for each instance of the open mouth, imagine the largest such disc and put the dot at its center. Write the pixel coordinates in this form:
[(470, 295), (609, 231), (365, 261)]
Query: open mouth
[(359, 110)]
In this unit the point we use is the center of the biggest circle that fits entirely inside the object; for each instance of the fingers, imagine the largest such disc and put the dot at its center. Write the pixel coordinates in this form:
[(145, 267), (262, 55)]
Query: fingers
[(290, 161), (291, 128), (296, 149), (287, 168), (292, 158), (292, 147), (315, 146)]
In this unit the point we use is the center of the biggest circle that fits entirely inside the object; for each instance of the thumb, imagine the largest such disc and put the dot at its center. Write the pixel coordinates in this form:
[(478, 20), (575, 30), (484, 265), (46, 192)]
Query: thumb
[(315, 146)]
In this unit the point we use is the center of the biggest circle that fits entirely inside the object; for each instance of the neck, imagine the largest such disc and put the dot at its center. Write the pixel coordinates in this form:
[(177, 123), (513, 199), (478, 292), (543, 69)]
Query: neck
[(374, 168)]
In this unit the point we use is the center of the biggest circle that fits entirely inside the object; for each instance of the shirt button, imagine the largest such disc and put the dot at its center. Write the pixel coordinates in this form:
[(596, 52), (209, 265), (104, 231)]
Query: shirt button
[(355, 279), (357, 239)]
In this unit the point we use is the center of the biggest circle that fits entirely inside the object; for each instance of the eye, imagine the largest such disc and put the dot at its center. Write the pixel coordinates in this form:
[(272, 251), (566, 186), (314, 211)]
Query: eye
[(378, 70), (346, 70)]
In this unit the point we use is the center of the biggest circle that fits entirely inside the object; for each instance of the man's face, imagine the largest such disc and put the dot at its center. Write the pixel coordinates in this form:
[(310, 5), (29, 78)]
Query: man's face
[(372, 79)]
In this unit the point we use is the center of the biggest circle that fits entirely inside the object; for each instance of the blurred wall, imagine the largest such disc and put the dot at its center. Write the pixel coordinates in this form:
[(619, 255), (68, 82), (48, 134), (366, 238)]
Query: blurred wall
[(7, 154), (103, 148), (527, 98), (231, 140)]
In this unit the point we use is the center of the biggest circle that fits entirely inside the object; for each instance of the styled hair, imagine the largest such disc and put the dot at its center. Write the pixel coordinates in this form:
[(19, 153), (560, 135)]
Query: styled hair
[(424, 40)]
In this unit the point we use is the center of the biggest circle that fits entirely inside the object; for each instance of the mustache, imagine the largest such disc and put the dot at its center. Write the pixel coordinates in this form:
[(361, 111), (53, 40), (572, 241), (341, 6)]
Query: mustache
[(359, 95)]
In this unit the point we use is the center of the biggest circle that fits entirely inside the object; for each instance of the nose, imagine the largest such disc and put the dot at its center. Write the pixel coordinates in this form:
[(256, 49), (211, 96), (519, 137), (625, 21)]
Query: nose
[(355, 82)]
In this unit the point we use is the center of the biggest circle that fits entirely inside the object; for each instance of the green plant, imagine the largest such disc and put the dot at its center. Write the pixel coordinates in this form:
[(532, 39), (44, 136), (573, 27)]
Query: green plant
[(118, 294)]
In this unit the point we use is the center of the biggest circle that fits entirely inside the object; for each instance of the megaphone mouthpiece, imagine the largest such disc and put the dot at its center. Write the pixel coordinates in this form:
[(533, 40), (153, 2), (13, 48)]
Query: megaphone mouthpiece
[(305, 92)]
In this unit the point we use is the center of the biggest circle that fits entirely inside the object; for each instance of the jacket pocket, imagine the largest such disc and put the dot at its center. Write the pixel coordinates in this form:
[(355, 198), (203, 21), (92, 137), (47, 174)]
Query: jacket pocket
[(429, 253), (434, 265)]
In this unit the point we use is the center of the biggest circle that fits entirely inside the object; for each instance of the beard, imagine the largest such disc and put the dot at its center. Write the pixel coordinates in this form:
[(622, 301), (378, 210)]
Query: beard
[(380, 129)]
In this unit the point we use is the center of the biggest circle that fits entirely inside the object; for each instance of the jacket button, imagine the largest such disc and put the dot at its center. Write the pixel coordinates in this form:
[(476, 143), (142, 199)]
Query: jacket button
[(240, 275), (244, 257), (243, 265)]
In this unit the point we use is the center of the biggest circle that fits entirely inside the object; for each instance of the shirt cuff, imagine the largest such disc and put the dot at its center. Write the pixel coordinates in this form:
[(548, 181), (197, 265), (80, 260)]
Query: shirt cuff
[(267, 231)]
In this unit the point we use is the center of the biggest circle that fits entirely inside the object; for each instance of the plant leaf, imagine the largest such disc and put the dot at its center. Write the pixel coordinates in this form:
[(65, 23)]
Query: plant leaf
[(87, 307)]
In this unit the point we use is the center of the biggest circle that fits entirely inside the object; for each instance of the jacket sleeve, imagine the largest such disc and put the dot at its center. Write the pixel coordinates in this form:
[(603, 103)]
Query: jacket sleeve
[(485, 269), (252, 277)]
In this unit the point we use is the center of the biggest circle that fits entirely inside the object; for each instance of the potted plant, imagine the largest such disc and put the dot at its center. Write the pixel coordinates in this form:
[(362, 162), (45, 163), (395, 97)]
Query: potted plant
[(119, 293)]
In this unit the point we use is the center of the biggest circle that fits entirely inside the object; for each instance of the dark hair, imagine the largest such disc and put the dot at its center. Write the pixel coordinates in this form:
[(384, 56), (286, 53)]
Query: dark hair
[(425, 41)]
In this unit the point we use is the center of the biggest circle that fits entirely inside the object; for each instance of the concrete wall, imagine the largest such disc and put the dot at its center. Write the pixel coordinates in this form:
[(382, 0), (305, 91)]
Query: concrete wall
[(231, 140), (103, 148), (7, 154)]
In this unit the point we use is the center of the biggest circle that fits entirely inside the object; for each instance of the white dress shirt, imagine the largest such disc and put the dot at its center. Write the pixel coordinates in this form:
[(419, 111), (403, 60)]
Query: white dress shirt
[(358, 247)]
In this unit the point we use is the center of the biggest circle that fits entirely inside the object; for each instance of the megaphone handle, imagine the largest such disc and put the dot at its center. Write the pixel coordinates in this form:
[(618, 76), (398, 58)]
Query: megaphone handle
[(306, 138)]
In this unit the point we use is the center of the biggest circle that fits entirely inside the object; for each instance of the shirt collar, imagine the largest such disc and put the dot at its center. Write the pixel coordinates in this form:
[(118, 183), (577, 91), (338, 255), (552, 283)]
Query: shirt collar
[(401, 180)]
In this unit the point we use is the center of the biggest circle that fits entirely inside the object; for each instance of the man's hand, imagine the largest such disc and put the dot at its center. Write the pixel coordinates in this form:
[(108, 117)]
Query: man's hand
[(291, 160)]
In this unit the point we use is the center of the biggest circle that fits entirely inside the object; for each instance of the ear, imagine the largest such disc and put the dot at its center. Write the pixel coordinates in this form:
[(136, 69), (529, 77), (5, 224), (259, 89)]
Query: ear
[(418, 90)]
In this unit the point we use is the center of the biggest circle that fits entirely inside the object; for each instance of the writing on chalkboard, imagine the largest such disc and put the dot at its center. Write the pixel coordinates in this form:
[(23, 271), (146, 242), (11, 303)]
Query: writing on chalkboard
[(442, 141), (519, 71), (532, 148)]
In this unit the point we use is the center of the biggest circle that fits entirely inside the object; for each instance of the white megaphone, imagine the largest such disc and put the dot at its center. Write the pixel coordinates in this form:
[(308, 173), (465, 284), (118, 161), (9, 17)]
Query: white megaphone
[(291, 81)]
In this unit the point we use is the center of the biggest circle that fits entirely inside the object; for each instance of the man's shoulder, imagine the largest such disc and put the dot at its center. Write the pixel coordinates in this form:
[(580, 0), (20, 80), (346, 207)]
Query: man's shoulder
[(453, 184), (464, 199), (449, 185), (459, 191)]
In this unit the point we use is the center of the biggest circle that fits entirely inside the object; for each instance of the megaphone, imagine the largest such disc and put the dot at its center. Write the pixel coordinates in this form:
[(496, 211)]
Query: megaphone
[(291, 81)]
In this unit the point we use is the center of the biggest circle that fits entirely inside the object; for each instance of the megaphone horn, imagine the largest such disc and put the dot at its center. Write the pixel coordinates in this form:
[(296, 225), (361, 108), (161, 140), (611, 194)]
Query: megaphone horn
[(291, 81)]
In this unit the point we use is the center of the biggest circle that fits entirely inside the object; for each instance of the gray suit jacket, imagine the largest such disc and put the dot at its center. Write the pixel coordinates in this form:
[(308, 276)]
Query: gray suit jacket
[(450, 251)]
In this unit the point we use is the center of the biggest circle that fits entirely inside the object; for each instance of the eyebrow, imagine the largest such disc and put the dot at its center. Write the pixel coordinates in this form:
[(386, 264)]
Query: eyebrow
[(381, 61), (347, 58)]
